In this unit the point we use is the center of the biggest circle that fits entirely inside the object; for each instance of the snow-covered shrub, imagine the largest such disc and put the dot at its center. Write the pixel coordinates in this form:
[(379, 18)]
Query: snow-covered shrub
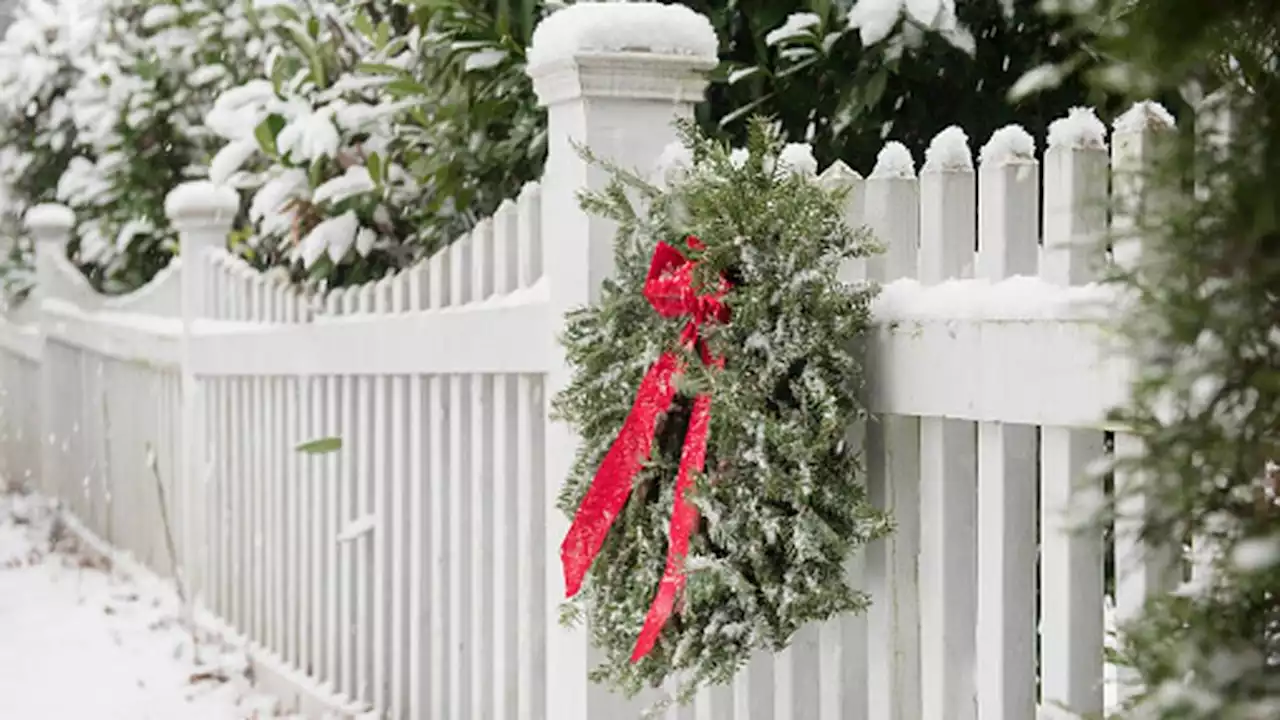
[(138, 110), (311, 140), (487, 137), (37, 137), (377, 134)]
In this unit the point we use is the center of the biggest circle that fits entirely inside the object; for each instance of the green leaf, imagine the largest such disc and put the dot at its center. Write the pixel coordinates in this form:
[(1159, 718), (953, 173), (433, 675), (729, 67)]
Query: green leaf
[(404, 86), (286, 13), (374, 164), (875, 89), (363, 24), (380, 69), (315, 173), (308, 48), (265, 134), (320, 446)]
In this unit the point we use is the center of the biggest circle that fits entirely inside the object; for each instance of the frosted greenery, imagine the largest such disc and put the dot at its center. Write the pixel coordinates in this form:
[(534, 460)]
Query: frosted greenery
[(783, 501), (1204, 328)]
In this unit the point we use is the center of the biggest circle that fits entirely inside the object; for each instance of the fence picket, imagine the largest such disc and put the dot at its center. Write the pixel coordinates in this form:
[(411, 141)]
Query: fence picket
[(439, 501), (753, 689), (1141, 571), (417, 515), (530, 485), (503, 431), (841, 671), (299, 603), (480, 518), (458, 476), (331, 526), (1008, 212), (1071, 563), (948, 463), (892, 212), (351, 513), (380, 487), (400, 508), (280, 523), (367, 485)]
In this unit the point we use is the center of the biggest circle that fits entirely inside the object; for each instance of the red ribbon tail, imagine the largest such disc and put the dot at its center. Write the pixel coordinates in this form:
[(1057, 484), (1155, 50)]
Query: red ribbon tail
[(612, 484), (684, 518)]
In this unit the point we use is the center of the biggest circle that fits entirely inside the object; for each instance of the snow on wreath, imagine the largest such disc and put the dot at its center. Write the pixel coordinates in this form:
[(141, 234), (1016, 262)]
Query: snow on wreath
[(714, 498)]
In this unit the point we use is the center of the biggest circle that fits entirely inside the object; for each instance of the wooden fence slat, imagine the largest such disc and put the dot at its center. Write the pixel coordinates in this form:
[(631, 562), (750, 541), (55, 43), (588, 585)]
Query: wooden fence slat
[(948, 463), (351, 513), (892, 445), (502, 419), (327, 542), (418, 551), (460, 649), (1071, 562), (401, 516), (439, 612), (380, 487), (1008, 228), (531, 669)]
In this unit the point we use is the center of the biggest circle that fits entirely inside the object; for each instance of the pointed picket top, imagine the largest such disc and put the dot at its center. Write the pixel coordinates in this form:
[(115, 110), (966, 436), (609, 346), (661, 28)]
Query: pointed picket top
[(1145, 115), (1079, 129), (1140, 134), (949, 152), (894, 161), (838, 175), (1010, 144), (530, 190)]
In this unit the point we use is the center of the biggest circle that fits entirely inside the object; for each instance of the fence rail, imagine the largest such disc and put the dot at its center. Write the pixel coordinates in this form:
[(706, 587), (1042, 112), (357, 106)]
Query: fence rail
[(413, 571)]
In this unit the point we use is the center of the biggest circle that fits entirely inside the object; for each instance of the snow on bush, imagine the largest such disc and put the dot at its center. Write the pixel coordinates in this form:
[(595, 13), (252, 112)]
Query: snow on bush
[(361, 136), (37, 137), (138, 108), (373, 137), (310, 140)]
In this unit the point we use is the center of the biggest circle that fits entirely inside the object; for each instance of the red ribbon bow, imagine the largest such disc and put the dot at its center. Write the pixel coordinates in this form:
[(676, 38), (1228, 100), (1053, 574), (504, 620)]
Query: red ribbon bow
[(670, 289)]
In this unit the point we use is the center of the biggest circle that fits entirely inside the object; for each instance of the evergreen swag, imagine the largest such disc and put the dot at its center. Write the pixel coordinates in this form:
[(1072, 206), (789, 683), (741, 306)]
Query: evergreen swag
[(782, 502)]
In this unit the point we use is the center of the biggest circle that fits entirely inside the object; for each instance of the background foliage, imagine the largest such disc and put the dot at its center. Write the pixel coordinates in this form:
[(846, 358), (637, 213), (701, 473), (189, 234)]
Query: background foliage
[(1204, 324), (444, 104)]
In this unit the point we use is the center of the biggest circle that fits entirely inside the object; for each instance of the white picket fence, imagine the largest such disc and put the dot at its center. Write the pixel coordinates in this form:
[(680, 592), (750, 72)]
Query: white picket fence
[(413, 573)]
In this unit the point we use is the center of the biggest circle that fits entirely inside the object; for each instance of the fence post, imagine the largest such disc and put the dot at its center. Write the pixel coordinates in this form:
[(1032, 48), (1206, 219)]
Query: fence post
[(202, 213), (50, 226), (622, 106)]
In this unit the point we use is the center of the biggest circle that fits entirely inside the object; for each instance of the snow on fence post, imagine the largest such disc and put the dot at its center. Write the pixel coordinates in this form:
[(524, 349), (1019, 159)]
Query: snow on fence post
[(50, 226), (892, 213), (948, 455), (1142, 571), (1008, 228), (613, 77), (1071, 564), (202, 213)]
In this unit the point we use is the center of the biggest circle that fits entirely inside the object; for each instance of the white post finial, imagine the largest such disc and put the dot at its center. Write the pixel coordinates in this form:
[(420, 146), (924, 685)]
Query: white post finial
[(201, 204), (203, 214), (614, 78), (50, 223)]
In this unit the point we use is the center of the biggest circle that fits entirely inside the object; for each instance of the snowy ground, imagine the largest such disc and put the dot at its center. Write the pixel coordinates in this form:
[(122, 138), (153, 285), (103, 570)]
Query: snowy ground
[(80, 641)]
